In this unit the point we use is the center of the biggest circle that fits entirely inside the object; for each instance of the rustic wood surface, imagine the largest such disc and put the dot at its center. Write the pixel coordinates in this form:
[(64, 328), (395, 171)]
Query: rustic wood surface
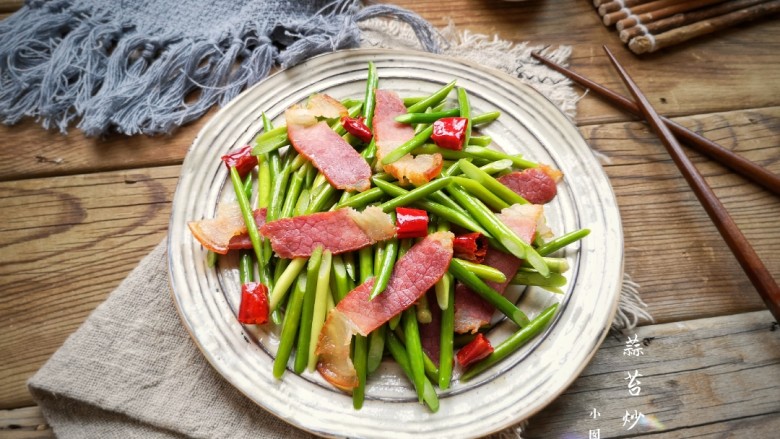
[(24, 423), (692, 374), (79, 213), (10, 5)]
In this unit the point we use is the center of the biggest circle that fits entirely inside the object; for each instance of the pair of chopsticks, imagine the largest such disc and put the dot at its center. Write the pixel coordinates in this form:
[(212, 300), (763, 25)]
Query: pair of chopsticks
[(666, 130)]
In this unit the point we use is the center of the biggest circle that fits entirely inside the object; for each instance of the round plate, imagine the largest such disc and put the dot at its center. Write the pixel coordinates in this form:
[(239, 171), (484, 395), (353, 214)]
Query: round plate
[(531, 378)]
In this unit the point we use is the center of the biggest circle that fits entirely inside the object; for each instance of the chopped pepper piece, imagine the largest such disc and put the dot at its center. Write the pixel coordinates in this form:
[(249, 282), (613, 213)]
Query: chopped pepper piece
[(254, 304), (450, 132), (357, 127), (411, 223), (242, 159), (478, 349), (471, 247)]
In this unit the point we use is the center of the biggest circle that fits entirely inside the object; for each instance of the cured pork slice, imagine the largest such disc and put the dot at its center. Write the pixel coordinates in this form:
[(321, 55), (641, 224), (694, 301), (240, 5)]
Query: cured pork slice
[(339, 231), (338, 161), (223, 232), (417, 271), (242, 241), (537, 185), (390, 134), (526, 220), (471, 310), (430, 333)]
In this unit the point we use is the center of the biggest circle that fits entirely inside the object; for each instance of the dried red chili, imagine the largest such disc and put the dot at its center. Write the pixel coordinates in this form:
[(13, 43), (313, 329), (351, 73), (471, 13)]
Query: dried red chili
[(411, 223), (254, 304), (478, 349), (357, 127), (242, 159), (450, 132), (470, 246)]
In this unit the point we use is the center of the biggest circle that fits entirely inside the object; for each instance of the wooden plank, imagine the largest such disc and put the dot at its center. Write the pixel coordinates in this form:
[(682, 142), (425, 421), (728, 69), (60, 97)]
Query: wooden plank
[(699, 378), (669, 77), (671, 247), (46, 433), (10, 5), (758, 426), (750, 80), (763, 426), (696, 377), (24, 423), (49, 153), (66, 243)]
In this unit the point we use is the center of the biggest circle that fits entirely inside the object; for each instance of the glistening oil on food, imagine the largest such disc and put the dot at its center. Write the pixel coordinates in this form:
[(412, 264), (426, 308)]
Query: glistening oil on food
[(348, 242), (427, 196)]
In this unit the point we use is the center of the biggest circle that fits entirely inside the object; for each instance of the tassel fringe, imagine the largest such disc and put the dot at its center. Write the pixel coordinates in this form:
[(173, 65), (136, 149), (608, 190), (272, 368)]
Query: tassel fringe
[(65, 66)]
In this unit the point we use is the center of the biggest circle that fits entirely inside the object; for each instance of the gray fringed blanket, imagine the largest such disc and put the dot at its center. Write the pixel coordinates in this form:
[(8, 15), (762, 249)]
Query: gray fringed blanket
[(148, 66)]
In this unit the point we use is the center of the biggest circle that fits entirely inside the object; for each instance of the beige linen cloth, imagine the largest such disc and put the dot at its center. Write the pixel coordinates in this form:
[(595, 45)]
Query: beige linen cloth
[(131, 370)]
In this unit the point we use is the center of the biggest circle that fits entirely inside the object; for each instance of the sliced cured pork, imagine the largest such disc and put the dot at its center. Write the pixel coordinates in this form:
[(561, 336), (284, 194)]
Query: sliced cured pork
[(339, 231), (225, 231), (526, 220), (471, 310), (430, 333), (242, 241), (414, 273), (338, 161), (390, 134), (537, 185)]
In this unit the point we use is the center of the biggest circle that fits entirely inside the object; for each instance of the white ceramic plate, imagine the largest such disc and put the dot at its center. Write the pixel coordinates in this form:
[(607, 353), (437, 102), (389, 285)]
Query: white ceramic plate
[(207, 299)]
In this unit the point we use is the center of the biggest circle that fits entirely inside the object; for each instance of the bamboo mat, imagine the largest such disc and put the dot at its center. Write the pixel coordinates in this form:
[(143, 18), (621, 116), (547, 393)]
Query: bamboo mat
[(650, 25)]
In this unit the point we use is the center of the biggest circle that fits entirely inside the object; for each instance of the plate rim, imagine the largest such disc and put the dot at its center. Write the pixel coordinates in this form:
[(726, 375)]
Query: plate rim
[(504, 77)]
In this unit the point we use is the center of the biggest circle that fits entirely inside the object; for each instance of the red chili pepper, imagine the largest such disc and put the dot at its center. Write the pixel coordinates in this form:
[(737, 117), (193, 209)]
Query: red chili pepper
[(254, 304), (478, 349), (471, 247), (357, 127), (449, 132), (242, 159), (411, 223)]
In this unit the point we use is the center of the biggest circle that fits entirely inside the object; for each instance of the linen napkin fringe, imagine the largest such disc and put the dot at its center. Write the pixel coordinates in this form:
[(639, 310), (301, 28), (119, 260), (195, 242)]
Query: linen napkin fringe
[(64, 62)]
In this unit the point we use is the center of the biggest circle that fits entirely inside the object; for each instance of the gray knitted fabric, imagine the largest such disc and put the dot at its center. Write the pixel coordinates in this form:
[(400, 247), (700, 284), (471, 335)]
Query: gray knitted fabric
[(148, 66)]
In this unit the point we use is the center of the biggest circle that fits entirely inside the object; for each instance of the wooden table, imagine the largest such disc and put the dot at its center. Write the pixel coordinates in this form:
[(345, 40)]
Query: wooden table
[(78, 214)]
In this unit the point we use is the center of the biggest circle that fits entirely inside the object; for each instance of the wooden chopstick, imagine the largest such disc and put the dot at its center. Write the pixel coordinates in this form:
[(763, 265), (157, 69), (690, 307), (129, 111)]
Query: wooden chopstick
[(726, 157), (746, 256)]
